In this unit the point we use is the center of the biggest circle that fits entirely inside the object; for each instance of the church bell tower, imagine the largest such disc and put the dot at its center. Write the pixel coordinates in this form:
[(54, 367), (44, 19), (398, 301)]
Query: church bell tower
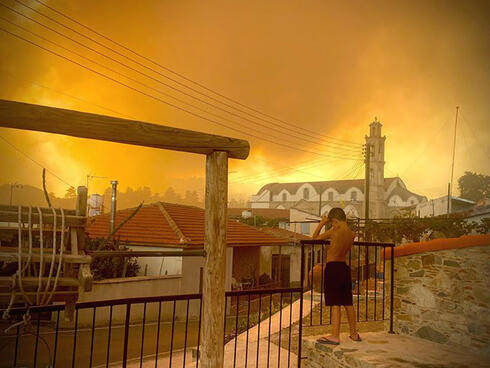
[(376, 143)]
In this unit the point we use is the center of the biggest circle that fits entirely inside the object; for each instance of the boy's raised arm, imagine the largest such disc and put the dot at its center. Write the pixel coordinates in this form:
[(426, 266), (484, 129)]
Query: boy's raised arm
[(316, 233)]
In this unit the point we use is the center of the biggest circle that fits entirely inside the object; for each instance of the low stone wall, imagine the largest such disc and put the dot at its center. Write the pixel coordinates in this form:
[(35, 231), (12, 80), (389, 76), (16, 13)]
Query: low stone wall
[(444, 296), (133, 287)]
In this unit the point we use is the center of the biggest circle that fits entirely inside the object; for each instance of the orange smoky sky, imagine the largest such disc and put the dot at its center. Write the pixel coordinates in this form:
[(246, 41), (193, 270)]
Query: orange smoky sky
[(328, 67)]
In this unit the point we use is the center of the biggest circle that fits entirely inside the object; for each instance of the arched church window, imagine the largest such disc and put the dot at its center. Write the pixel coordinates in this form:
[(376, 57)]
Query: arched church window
[(330, 196), (306, 193), (353, 195), (284, 197)]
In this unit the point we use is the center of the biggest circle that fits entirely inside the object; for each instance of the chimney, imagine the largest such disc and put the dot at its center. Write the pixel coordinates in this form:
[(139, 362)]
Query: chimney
[(113, 205)]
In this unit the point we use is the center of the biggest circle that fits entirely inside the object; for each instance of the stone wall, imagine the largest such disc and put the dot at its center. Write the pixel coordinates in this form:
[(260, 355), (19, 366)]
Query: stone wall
[(444, 296)]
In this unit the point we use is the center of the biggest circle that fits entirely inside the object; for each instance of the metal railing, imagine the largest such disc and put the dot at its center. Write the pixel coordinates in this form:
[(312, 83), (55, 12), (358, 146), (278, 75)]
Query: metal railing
[(163, 329), (368, 274), (261, 325)]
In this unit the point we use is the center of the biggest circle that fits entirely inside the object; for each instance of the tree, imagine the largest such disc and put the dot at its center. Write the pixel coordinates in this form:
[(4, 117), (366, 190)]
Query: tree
[(172, 196), (70, 193), (191, 198), (474, 186)]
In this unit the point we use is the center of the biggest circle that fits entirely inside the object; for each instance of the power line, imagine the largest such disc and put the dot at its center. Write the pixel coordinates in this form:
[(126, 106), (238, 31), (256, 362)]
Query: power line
[(475, 137), (34, 161), (343, 148), (71, 96), (261, 176), (136, 81), (173, 72), (166, 102)]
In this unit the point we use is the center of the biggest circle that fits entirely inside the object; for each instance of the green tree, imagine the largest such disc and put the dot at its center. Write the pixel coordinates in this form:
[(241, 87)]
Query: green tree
[(474, 186)]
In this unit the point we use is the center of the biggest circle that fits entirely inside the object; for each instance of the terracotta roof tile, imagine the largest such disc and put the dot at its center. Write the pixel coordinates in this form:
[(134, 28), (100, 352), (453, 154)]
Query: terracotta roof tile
[(150, 227)]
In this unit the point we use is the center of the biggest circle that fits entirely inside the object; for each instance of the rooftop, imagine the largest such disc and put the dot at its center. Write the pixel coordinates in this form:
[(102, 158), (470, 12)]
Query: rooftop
[(174, 225)]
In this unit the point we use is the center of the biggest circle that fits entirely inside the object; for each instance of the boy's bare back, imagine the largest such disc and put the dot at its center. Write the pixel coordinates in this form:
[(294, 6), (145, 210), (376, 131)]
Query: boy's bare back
[(341, 240)]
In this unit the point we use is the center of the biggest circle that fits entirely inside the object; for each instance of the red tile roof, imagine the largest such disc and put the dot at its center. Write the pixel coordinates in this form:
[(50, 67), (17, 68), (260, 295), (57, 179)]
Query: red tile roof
[(150, 227), (283, 233)]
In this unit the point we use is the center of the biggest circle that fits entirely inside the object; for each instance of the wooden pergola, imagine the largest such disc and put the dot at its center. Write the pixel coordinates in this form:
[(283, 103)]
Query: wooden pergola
[(217, 149)]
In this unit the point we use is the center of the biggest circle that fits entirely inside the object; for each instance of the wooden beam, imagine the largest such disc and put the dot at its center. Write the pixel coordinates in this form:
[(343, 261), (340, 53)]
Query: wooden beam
[(13, 217), (33, 281), (9, 254), (213, 294), (20, 115)]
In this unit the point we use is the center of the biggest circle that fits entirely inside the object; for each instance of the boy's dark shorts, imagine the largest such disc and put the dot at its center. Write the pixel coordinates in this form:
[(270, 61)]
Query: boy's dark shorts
[(337, 284)]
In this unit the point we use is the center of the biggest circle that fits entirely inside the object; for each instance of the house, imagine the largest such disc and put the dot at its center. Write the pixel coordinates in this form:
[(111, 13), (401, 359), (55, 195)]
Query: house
[(163, 226), (387, 196), (439, 206)]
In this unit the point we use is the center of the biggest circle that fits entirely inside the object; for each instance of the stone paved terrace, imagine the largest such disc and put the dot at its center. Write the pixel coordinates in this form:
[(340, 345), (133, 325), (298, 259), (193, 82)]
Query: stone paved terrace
[(384, 350)]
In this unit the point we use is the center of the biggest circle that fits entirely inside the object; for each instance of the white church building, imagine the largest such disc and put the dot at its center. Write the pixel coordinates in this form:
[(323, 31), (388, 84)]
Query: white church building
[(388, 197)]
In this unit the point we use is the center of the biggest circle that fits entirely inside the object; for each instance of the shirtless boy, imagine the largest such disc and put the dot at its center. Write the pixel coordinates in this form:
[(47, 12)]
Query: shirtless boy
[(338, 284)]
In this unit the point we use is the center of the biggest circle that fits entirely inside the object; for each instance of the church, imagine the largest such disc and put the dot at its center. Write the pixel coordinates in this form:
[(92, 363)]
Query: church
[(388, 197)]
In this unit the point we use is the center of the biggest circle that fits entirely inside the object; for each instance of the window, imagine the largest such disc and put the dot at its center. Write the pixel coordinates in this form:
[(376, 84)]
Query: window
[(305, 228), (284, 197), (330, 196), (306, 193), (353, 195)]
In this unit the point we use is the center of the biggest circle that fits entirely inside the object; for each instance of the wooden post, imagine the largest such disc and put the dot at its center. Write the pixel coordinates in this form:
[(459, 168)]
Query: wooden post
[(81, 210), (213, 295)]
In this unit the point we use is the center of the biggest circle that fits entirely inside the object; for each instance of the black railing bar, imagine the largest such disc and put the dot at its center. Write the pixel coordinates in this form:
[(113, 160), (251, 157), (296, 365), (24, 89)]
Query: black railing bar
[(258, 330), (56, 338), (248, 323), (311, 281), (199, 333), (137, 253), (300, 325), (172, 336), (269, 336), (106, 303), (138, 300), (367, 282), (74, 340), (384, 280), (236, 329), (356, 242), (143, 335), (92, 337), (224, 324), (375, 279), (290, 327), (126, 335), (392, 279), (158, 333), (358, 281), (321, 284), (108, 338), (186, 328), (280, 329), (262, 291)]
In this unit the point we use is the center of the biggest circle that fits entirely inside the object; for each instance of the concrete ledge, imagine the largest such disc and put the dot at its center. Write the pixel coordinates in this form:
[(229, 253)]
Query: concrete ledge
[(383, 350)]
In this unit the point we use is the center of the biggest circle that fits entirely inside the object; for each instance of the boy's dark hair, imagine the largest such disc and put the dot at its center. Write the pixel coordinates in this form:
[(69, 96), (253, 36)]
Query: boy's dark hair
[(337, 213)]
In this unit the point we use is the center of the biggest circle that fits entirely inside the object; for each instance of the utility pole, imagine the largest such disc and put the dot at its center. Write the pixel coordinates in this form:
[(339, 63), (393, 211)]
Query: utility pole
[(367, 178), (113, 205), (452, 165)]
